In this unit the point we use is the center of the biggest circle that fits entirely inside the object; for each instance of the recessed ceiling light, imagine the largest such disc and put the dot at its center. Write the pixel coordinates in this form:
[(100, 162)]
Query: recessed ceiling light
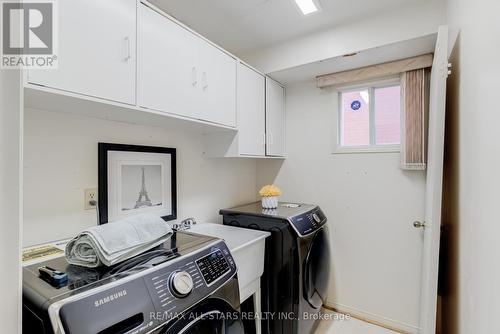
[(307, 6)]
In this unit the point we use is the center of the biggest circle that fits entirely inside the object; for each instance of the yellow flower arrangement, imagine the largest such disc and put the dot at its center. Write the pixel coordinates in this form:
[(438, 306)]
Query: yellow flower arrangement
[(270, 190)]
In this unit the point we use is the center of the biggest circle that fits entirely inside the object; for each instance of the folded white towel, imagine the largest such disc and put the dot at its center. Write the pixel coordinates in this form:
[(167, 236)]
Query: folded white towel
[(118, 241)]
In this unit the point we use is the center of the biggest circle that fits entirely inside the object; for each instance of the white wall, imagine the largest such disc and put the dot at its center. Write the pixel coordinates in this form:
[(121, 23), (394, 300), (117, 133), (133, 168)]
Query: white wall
[(408, 22), (60, 161), (370, 204), (10, 199), (472, 300)]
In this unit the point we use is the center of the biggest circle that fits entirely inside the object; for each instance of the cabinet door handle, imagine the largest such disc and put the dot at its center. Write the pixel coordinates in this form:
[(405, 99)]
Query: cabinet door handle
[(271, 140), (128, 53), (194, 76), (205, 80), (264, 139)]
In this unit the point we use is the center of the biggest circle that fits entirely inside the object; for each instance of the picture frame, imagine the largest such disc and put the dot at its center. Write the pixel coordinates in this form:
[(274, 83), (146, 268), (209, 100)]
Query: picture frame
[(135, 179)]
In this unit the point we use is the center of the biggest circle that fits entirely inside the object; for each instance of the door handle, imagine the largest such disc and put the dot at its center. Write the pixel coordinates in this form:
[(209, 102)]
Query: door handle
[(204, 80), (194, 76), (128, 53), (419, 224)]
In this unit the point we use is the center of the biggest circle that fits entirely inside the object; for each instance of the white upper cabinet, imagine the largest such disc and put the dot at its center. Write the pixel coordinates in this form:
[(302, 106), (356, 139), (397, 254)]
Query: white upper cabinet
[(118, 52), (275, 118), (217, 71), (261, 120), (167, 72), (251, 111), (96, 50), (181, 73)]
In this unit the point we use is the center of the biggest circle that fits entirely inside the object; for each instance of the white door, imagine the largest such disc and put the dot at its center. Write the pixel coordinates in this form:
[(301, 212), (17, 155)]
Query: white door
[(168, 74), (386, 269), (434, 182), (275, 119), (217, 84), (96, 56), (251, 111)]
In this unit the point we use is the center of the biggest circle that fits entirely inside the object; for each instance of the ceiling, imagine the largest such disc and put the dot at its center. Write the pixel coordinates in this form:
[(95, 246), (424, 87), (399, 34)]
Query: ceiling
[(241, 26)]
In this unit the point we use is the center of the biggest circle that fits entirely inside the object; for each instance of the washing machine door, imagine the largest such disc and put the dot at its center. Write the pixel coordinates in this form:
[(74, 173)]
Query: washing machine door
[(213, 316), (316, 269)]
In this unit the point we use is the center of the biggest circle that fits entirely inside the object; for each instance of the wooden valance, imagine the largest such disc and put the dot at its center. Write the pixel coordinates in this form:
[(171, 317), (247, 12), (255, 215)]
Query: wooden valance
[(375, 71)]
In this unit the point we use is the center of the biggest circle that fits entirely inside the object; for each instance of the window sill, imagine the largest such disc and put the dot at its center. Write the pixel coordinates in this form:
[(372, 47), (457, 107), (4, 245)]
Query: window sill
[(367, 149)]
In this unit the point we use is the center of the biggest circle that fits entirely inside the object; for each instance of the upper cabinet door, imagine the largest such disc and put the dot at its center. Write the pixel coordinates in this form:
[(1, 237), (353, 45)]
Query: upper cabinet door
[(275, 118), (96, 56), (181, 73), (168, 71), (218, 85), (251, 111)]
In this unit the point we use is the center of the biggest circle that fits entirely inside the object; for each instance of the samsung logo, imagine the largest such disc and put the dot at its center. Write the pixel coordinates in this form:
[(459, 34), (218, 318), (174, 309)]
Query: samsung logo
[(110, 298)]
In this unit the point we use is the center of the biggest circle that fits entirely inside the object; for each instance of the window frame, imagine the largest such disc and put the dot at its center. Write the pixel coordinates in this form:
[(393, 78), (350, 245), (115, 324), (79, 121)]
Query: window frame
[(370, 86)]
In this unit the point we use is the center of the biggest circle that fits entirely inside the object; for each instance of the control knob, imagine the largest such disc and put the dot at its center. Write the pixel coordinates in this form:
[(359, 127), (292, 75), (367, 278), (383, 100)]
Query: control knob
[(316, 218), (181, 284)]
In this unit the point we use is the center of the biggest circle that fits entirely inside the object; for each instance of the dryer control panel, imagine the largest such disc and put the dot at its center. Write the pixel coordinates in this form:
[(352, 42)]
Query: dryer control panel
[(308, 222)]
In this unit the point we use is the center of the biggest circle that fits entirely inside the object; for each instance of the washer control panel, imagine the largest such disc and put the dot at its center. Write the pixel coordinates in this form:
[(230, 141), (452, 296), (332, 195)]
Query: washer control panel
[(308, 222), (213, 266), (180, 285)]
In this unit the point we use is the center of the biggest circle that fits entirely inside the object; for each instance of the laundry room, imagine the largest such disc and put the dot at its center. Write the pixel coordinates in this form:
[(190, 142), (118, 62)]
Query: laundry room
[(248, 167)]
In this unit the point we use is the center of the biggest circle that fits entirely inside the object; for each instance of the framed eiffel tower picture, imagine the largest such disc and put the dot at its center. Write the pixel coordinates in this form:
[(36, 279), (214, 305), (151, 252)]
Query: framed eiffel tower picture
[(136, 179)]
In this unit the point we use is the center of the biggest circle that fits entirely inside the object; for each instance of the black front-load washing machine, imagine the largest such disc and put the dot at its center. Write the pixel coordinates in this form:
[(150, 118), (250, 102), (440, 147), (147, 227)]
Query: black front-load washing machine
[(187, 285), (297, 263)]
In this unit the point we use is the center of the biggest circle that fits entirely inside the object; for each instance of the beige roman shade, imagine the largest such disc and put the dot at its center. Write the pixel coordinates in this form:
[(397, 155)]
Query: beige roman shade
[(374, 71), (414, 90)]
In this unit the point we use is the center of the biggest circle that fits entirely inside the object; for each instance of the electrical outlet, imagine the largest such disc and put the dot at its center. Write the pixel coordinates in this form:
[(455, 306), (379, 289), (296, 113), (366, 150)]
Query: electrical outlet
[(90, 196)]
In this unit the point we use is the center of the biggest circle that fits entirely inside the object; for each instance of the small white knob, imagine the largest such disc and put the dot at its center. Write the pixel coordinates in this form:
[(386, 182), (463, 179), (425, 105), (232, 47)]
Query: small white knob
[(181, 284)]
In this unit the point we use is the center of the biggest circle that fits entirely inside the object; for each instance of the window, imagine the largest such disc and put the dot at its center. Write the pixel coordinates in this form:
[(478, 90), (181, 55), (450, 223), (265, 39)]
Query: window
[(369, 118)]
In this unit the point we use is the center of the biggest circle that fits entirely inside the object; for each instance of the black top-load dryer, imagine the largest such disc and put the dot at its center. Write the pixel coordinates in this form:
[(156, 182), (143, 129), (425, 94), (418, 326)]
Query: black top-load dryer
[(296, 272)]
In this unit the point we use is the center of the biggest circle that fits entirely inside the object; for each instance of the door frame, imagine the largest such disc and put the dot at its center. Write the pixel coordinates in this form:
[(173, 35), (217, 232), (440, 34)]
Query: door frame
[(11, 196)]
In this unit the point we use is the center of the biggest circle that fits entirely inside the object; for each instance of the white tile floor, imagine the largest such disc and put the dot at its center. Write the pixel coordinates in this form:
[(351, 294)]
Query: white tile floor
[(349, 326)]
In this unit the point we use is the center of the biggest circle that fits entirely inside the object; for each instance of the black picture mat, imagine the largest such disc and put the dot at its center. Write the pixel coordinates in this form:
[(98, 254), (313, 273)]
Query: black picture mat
[(103, 149)]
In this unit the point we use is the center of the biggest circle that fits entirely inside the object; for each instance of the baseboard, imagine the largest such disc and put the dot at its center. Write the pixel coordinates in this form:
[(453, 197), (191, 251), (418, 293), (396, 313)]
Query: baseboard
[(372, 318)]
